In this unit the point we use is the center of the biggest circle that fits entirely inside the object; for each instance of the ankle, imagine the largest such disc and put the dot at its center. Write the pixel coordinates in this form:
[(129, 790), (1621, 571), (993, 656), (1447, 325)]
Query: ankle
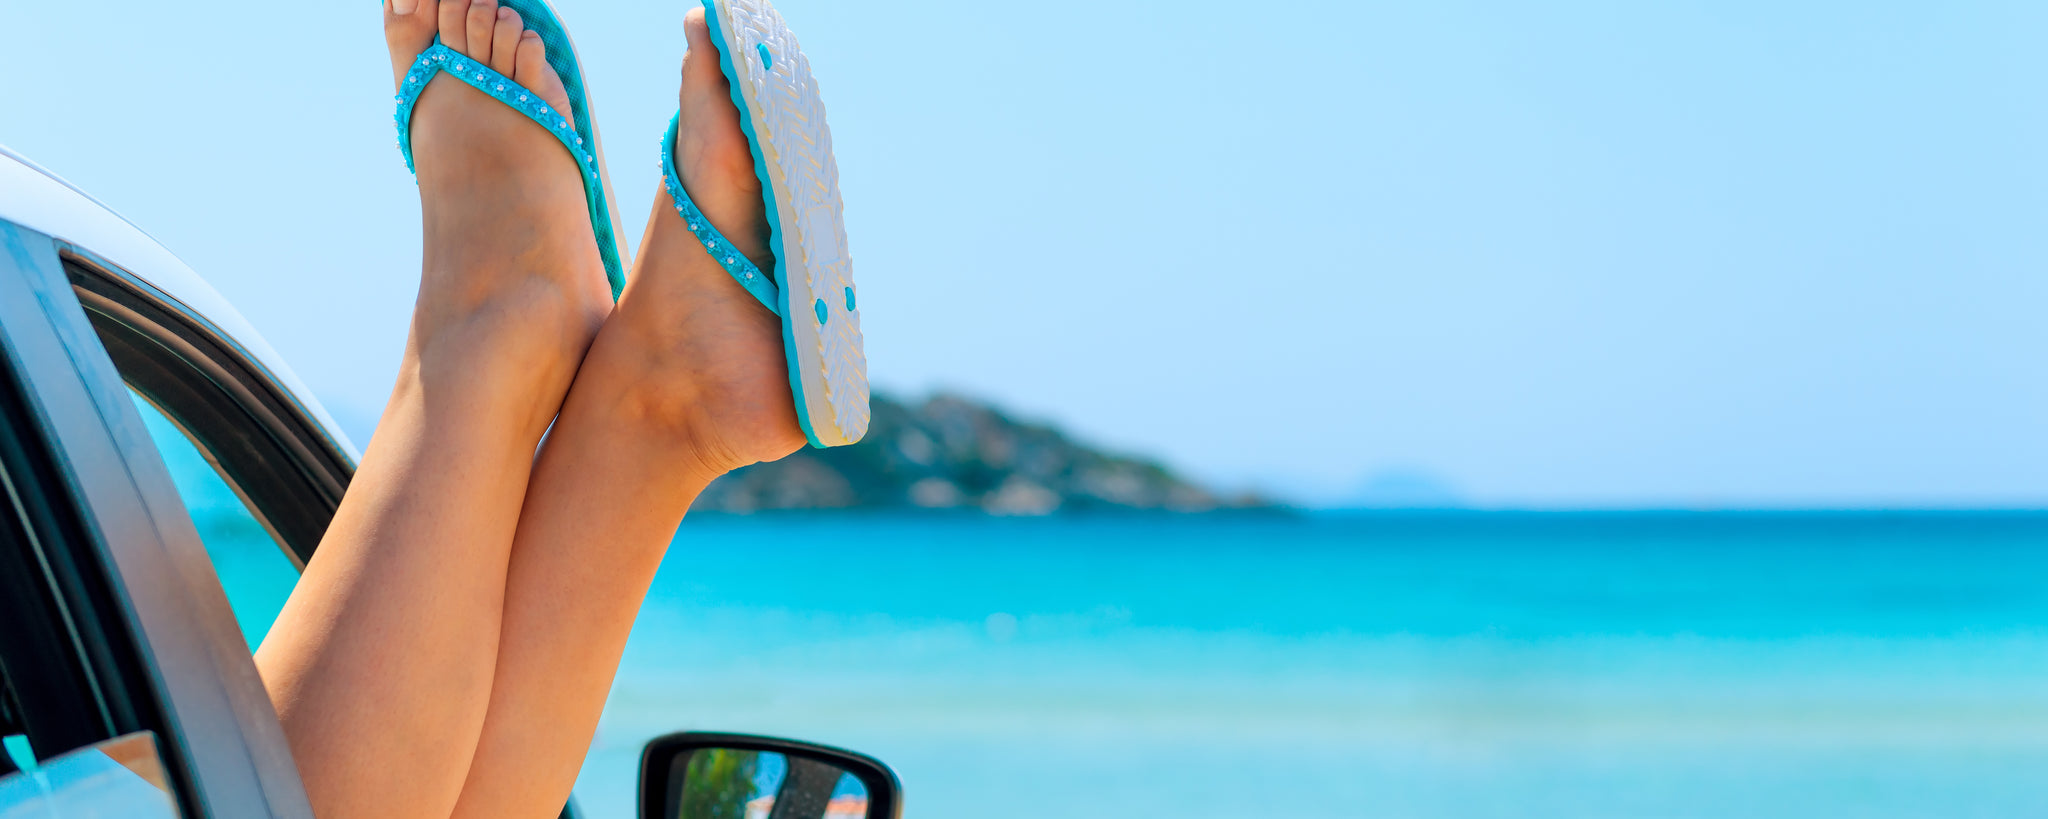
[(661, 387), (664, 416), (516, 346)]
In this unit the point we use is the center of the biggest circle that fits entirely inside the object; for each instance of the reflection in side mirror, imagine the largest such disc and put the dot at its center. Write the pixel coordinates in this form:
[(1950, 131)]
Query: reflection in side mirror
[(735, 776)]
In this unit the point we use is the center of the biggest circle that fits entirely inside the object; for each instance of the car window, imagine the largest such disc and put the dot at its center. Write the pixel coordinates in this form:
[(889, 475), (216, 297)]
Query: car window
[(251, 564), (124, 776)]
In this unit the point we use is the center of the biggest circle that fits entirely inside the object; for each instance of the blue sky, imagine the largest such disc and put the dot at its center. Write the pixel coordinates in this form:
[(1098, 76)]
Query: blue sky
[(1571, 254)]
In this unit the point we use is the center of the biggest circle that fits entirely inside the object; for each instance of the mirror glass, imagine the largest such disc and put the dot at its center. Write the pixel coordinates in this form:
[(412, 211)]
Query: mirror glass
[(730, 783)]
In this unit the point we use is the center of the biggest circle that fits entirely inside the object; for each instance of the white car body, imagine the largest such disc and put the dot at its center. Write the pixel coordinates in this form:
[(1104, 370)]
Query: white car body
[(35, 198)]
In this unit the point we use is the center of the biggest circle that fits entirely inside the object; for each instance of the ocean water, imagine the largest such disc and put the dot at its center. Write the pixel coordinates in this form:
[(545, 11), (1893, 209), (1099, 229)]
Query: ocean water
[(1390, 665), (1418, 665)]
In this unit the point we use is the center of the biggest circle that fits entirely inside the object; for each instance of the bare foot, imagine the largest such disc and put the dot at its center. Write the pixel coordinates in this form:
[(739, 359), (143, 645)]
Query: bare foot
[(713, 354), (511, 257)]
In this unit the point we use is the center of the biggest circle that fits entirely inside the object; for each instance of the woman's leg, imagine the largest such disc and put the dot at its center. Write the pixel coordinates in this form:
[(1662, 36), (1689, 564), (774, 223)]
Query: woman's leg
[(685, 382), (381, 662)]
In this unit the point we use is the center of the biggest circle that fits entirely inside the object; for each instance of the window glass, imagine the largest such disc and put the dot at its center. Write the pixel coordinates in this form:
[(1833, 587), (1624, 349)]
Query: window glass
[(123, 777), (251, 564)]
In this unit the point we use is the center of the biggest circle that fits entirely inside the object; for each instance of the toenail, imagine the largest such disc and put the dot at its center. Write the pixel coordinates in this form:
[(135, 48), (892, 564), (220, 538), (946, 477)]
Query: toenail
[(823, 312)]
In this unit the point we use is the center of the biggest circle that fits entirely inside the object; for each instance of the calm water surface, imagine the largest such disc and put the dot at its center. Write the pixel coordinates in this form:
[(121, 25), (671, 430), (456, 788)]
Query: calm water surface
[(1393, 665)]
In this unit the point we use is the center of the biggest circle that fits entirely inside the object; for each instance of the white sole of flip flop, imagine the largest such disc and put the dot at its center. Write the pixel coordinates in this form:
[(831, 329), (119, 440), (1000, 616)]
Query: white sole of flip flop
[(785, 123)]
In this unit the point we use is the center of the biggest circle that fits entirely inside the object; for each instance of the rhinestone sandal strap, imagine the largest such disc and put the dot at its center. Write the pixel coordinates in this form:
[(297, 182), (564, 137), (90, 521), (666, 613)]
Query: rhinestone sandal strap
[(441, 58), (761, 284)]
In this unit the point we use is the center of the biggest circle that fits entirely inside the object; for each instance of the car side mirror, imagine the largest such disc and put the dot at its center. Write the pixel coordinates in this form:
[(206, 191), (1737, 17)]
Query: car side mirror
[(697, 775)]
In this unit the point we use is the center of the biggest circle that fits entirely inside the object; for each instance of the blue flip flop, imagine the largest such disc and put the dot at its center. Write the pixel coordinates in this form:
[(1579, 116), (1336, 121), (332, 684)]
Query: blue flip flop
[(576, 128), (811, 284)]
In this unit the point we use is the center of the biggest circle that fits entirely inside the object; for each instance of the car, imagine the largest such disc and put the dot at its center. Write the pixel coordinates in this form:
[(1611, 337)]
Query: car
[(126, 684)]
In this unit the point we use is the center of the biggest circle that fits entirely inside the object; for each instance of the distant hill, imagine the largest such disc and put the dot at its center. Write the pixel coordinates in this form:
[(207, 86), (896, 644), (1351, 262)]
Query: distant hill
[(951, 452)]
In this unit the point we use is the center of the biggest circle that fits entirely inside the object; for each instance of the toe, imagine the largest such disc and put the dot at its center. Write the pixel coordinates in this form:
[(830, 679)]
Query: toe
[(706, 100), (408, 30), (711, 151), (453, 22), (697, 33), (483, 20), (533, 72), (705, 91), (505, 41)]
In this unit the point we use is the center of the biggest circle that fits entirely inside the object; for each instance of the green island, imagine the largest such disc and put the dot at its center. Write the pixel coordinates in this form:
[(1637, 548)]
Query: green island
[(949, 452)]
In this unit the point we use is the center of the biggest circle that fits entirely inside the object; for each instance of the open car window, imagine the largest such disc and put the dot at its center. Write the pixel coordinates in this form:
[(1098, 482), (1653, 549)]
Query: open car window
[(110, 622), (259, 438), (253, 568), (259, 478)]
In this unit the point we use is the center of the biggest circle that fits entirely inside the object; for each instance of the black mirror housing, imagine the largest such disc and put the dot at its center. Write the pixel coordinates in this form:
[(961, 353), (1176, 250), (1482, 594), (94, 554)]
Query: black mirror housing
[(809, 773)]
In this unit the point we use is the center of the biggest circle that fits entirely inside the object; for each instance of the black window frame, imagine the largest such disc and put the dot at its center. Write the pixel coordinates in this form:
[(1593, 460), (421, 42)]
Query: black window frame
[(263, 442)]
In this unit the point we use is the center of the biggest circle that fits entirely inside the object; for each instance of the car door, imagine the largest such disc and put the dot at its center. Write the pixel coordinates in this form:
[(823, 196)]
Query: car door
[(156, 407), (116, 625)]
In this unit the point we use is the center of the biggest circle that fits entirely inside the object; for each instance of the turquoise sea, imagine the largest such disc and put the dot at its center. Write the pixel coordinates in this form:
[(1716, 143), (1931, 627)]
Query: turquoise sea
[(1390, 665), (1453, 665)]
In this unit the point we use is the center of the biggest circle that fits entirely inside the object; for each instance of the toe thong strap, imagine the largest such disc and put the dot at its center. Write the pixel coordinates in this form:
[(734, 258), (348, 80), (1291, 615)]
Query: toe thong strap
[(560, 123), (757, 282)]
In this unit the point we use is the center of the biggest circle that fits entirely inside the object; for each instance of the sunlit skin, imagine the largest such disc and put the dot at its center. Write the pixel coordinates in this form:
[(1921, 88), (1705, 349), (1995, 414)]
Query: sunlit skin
[(449, 649), (685, 382)]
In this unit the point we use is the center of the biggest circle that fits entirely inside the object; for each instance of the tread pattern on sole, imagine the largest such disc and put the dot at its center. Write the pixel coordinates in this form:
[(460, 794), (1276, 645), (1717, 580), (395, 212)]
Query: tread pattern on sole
[(800, 150)]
